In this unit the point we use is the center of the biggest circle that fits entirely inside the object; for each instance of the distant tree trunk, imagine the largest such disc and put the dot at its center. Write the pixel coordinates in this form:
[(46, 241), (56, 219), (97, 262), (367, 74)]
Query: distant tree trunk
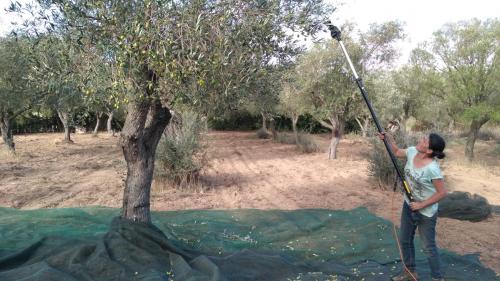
[(64, 117), (451, 125), (364, 125), (336, 125), (272, 126), (473, 133), (264, 126), (295, 119), (451, 114), (400, 124), (109, 129), (146, 120), (8, 138), (337, 132), (97, 123)]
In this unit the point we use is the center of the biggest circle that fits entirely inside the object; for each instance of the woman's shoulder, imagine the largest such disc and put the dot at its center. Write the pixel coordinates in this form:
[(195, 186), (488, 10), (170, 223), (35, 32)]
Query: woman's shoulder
[(434, 165), (411, 150), (434, 169)]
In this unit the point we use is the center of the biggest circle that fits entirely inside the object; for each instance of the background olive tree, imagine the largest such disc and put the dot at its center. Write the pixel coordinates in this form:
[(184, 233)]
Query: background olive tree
[(328, 88), (19, 92), (467, 53)]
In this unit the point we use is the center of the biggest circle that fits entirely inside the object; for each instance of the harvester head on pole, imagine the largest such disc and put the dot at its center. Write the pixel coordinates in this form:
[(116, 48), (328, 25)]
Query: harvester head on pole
[(334, 31)]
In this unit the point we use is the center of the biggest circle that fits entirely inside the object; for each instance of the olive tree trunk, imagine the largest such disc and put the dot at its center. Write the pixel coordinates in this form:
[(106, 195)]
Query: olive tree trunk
[(8, 138), (472, 136), (97, 123), (146, 120), (272, 126), (363, 125), (264, 126), (64, 116), (336, 125), (109, 129), (337, 132), (295, 119), (144, 125)]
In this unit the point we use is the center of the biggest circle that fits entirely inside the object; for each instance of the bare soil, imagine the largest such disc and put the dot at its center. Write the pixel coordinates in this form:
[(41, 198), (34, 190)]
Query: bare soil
[(245, 172)]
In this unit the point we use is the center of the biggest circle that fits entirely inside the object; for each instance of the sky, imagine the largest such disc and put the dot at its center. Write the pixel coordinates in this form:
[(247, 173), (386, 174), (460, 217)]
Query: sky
[(421, 17), (6, 18)]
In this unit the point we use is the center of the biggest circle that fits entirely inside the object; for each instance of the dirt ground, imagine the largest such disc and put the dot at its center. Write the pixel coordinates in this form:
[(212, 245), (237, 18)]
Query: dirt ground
[(245, 172)]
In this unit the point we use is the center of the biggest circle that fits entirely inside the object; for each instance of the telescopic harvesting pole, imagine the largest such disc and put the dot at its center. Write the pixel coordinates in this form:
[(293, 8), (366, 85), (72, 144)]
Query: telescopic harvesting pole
[(336, 34)]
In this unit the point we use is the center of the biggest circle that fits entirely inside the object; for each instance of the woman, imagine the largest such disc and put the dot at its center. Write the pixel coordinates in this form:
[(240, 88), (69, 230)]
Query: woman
[(423, 174)]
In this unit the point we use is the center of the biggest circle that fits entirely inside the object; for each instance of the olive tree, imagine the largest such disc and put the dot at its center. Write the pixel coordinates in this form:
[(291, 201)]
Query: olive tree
[(328, 88), (178, 52), (18, 92), (467, 53)]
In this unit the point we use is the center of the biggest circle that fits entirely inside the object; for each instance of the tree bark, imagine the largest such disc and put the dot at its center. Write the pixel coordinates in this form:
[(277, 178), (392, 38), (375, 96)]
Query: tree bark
[(473, 133), (272, 126), (109, 129), (5, 125), (366, 124), (334, 142), (144, 125), (363, 126), (295, 119), (146, 121), (451, 125), (8, 138), (98, 123), (402, 124), (337, 132), (264, 126), (64, 117)]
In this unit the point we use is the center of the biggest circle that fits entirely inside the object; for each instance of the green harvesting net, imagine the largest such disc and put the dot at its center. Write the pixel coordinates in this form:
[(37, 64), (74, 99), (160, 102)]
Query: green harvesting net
[(92, 244)]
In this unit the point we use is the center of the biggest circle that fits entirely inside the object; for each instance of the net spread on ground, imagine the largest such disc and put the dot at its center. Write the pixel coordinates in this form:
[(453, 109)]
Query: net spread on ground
[(311, 244)]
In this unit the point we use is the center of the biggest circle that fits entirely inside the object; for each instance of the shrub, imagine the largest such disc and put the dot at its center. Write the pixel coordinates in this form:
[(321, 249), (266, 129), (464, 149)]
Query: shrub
[(285, 138), (235, 120), (496, 151), (307, 144), (483, 134), (380, 164), (262, 134), (181, 153), (486, 135)]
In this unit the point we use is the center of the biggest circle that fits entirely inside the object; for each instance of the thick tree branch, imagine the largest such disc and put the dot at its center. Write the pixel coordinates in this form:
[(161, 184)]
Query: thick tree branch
[(325, 124)]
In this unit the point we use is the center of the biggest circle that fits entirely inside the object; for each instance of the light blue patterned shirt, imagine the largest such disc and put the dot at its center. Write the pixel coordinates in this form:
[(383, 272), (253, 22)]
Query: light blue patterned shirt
[(420, 181)]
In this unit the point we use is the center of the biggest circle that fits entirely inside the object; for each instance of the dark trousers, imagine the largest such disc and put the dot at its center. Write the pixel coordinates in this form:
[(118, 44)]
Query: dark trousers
[(410, 221)]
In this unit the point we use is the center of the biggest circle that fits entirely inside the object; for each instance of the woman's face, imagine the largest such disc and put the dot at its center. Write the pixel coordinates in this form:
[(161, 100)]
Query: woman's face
[(423, 145)]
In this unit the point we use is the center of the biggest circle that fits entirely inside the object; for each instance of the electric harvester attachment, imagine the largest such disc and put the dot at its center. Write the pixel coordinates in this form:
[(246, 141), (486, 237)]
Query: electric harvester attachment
[(336, 34)]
